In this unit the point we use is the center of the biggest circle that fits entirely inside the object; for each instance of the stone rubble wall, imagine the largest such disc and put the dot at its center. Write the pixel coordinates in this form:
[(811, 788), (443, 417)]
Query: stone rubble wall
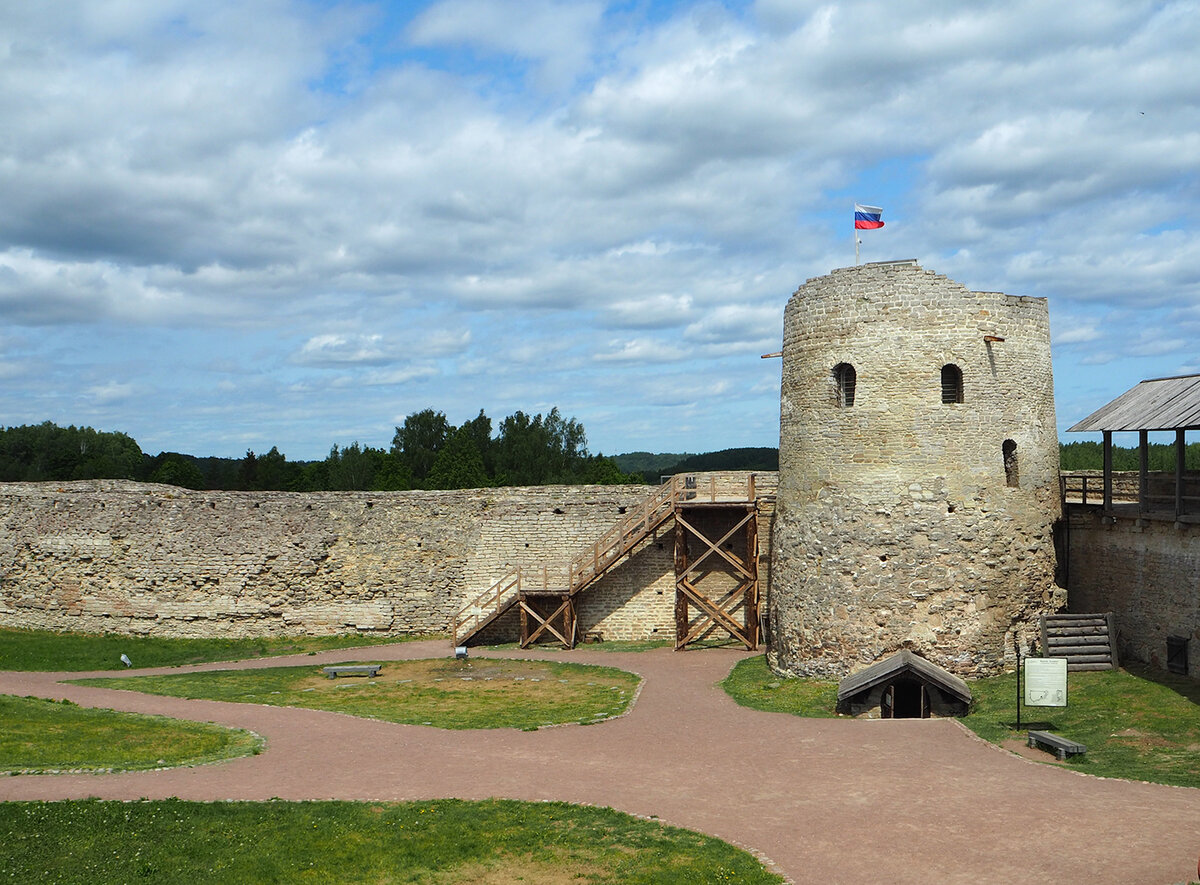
[(110, 556), (1147, 572), (896, 525)]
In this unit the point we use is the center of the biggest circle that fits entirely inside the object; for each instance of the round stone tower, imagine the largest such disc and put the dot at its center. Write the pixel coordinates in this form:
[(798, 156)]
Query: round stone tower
[(918, 473)]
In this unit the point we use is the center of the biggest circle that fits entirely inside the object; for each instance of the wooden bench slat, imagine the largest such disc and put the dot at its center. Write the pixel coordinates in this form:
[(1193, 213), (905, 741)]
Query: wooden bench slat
[(352, 670), (1063, 747)]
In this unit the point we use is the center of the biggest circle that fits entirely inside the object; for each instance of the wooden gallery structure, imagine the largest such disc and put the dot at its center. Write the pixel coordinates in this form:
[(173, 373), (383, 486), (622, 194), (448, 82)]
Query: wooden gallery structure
[(716, 554)]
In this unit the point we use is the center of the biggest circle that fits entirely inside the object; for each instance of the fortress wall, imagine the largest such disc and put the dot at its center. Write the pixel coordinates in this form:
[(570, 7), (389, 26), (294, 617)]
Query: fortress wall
[(897, 525), (1147, 573), (109, 556)]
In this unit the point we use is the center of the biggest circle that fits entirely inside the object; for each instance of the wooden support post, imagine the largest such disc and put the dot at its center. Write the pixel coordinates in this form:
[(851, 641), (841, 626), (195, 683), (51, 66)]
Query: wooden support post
[(1143, 471), (1180, 450), (690, 572), (1108, 505), (681, 565)]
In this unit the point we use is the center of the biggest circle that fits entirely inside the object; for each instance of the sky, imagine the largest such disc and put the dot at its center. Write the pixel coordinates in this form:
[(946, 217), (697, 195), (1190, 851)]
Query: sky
[(236, 225)]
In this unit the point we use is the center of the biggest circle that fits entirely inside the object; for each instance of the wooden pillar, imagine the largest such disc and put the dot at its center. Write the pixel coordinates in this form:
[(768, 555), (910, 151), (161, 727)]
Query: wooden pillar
[(750, 605), (681, 603), (1108, 505), (1180, 449), (1143, 471)]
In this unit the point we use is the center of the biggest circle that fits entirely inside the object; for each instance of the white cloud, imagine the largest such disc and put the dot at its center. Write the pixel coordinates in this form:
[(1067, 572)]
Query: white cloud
[(496, 204), (111, 392)]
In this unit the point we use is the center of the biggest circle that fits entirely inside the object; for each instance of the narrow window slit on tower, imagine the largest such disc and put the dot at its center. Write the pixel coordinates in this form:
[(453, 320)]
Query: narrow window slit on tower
[(845, 379), (952, 384), (1012, 475)]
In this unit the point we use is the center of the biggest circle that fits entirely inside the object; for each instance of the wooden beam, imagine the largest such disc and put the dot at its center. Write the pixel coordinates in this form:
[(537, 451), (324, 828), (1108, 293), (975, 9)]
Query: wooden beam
[(716, 611), (1143, 471), (1180, 450), (1108, 471), (565, 609), (715, 547)]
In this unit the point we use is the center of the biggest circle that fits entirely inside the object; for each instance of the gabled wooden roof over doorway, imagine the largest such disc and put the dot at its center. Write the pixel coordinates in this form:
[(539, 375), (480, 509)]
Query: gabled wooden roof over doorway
[(902, 661)]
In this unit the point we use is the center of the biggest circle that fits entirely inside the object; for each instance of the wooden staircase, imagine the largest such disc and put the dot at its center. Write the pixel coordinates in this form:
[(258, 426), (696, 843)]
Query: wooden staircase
[(578, 574), (1087, 641)]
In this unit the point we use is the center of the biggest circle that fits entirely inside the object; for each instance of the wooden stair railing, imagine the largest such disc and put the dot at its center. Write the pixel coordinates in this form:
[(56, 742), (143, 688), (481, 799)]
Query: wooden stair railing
[(486, 607), (592, 563)]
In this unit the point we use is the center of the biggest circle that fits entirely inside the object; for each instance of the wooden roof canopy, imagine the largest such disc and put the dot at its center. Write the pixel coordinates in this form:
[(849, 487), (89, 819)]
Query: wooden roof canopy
[(898, 664), (1156, 404)]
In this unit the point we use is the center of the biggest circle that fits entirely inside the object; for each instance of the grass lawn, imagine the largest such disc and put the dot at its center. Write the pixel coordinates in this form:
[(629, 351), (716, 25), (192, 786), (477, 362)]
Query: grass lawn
[(42, 735), (444, 692), (47, 650), (421, 843), (1137, 724)]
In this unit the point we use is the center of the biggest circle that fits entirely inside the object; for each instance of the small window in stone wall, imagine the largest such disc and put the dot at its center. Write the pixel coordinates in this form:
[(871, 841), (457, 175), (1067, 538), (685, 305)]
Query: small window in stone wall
[(952, 387), (1012, 473), (845, 379), (1177, 655)]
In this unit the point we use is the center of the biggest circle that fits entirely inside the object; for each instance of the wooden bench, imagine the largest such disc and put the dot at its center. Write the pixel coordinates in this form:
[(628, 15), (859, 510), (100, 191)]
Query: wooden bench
[(352, 670), (1062, 747)]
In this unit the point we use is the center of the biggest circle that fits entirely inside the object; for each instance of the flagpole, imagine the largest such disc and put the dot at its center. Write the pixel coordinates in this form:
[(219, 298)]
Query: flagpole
[(854, 215)]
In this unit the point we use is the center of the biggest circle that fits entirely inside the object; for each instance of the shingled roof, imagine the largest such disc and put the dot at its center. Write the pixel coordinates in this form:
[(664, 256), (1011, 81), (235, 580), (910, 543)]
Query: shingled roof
[(889, 668), (1156, 404)]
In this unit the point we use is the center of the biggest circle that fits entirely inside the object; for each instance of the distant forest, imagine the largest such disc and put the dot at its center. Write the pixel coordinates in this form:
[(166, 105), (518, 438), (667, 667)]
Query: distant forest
[(1159, 456), (427, 452)]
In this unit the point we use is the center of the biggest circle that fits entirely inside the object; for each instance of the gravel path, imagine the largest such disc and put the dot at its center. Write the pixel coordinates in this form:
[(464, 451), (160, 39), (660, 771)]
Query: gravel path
[(822, 800)]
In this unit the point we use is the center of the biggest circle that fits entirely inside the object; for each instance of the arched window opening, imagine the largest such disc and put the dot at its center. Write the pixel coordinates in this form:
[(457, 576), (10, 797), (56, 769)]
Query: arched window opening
[(1012, 474), (952, 387), (845, 379)]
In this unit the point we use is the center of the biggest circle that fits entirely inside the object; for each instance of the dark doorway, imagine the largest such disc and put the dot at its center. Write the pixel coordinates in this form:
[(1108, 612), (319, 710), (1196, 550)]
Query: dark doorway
[(905, 699)]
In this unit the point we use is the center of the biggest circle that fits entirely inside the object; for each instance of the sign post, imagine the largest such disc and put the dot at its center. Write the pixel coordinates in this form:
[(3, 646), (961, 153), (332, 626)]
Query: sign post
[(1045, 683)]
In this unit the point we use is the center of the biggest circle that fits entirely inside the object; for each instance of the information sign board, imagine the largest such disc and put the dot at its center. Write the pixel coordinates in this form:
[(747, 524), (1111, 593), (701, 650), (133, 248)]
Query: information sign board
[(1045, 682)]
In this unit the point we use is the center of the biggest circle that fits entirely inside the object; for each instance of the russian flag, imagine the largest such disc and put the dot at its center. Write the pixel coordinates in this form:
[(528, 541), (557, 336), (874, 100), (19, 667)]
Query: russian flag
[(867, 217)]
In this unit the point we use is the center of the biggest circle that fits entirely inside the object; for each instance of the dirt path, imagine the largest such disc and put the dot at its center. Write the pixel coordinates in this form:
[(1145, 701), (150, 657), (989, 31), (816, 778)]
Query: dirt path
[(825, 800)]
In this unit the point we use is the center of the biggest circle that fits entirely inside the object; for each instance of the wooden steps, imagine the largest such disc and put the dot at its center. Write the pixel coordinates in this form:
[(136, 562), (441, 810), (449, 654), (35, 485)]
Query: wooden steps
[(563, 581), (1087, 641), (586, 568)]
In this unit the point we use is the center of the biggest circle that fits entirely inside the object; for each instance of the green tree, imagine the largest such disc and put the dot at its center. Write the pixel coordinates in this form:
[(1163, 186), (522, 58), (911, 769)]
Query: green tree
[(459, 464), (353, 468), (392, 475), (419, 440), (538, 451), (174, 469)]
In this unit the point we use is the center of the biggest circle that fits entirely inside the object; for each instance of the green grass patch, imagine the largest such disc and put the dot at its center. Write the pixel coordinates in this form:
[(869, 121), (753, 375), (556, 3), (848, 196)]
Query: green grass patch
[(1137, 724), (42, 735), (752, 684), (417, 843), (47, 650), (443, 692)]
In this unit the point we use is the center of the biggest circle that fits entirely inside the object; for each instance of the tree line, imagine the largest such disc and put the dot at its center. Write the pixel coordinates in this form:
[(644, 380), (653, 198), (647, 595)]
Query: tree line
[(1160, 457), (427, 452)]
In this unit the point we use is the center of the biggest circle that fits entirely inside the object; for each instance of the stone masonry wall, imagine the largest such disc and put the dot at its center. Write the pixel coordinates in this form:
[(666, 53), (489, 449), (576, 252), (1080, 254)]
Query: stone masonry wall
[(112, 556), (897, 526), (1147, 573)]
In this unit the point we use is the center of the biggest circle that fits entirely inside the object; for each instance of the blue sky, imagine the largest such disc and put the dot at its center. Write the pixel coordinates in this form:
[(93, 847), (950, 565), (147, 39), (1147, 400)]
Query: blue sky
[(228, 226)]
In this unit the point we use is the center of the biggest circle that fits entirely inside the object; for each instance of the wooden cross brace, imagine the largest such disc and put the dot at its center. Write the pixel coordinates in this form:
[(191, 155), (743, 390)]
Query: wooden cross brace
[(717, 612), (715, 547), (565, 610)]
